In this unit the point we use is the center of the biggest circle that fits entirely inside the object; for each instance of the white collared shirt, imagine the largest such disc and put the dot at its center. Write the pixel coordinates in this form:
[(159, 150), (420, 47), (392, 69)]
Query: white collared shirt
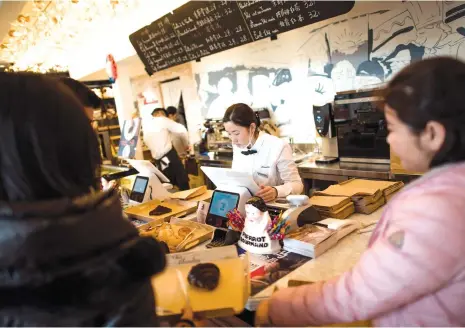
[(158, 133), (272, 165)]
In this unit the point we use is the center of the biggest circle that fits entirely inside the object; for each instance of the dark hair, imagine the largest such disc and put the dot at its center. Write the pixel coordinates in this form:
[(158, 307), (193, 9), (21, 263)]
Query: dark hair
[(432, 90), (242, 115), (156, 110), (171, 110), (86, 96), (258, 203), (48, 149)]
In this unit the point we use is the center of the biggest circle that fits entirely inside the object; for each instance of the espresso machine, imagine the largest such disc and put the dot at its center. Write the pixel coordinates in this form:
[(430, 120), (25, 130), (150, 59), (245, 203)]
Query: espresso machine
[(215, 139), (361, 128)]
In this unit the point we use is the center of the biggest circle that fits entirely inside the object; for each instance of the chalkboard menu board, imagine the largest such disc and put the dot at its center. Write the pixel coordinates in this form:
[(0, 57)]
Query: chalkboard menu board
[(207, 27), (266, 18), (158, 46), (201, 28)]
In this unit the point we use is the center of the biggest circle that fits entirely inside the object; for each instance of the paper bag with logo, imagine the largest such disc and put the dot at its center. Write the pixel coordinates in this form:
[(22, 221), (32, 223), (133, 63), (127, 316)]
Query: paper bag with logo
[(255, 237)]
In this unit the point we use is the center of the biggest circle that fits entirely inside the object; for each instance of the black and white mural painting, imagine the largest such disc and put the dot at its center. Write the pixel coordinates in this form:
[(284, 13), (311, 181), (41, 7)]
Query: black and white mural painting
[(362, 49)]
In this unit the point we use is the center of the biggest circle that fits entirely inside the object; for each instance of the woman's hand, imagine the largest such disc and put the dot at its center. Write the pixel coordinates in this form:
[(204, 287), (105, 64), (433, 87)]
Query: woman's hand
[(262, 318), (267, 193)]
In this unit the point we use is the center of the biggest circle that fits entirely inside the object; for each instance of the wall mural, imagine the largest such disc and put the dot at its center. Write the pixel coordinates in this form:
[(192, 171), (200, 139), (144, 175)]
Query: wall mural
[(362, 51)]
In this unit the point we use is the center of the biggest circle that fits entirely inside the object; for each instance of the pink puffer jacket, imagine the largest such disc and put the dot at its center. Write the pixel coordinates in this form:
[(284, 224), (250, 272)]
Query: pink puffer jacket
[(413, 272)]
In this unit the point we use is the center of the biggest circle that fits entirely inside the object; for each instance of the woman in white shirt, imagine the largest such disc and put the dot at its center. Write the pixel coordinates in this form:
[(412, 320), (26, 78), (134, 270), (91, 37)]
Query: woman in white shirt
[(267, 158)]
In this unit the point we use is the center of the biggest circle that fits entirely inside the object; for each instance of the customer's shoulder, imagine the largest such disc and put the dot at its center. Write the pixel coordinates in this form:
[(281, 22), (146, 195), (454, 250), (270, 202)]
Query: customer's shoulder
[(437, 195), (446, 180)]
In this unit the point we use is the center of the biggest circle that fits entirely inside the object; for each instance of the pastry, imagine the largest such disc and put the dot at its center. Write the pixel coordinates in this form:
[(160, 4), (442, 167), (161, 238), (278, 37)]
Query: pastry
[(204, 275), (148, 231), (183, 232), (173, 241), (160, 210), (165, 232)]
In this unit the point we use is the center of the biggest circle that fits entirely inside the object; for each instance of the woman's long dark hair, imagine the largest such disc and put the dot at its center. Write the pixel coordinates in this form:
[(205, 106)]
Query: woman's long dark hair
[(48, 148)]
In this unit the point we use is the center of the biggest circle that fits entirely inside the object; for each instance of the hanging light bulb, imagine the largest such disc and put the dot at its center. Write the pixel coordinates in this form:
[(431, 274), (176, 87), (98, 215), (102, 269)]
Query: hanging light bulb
[(14, 33), (40, 4), (23, 19)]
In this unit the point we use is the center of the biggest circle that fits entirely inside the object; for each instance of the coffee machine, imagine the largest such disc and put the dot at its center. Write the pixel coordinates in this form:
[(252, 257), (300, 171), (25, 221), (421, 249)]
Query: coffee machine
[(214, 139), (360, 127), (324, 124)]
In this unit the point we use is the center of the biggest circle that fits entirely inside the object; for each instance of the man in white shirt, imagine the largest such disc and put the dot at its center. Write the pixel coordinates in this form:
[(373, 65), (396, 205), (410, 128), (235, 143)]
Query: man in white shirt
[(158, 133), (179, 142)]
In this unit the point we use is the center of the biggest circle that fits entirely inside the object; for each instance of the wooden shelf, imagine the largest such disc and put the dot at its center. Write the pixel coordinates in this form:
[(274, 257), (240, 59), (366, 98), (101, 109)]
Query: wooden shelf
[(115, 137)]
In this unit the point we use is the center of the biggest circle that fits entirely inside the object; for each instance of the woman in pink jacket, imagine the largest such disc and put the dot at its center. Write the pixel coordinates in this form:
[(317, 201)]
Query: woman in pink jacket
[(413, 272)]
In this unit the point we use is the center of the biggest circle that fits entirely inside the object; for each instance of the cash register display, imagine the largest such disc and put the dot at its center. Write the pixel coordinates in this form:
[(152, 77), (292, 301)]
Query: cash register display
[(222, 202), (139, 188)]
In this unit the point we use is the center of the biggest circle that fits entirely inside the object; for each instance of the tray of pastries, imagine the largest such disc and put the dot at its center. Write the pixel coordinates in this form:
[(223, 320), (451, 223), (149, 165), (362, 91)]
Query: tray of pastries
[(180, 236)]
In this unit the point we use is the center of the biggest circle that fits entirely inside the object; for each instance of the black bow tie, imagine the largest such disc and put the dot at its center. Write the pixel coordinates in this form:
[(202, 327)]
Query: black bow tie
[(249, 152)]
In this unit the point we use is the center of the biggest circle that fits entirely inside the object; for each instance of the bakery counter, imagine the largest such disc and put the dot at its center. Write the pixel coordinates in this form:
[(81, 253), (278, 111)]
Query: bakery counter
[(224, 161), (342, 257), (214, 160), (310, 171)]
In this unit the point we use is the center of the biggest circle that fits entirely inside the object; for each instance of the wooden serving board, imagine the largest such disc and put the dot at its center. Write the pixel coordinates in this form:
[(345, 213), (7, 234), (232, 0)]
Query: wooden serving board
[(227, 299), (200, 233), (178, 208)]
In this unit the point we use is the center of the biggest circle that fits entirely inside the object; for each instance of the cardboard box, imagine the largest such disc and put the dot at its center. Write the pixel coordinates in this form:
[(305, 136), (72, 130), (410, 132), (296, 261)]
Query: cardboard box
[(329, 203)]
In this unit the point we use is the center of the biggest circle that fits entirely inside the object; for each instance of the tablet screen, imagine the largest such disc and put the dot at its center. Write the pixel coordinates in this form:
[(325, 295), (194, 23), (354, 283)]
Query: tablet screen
[(221, 203)]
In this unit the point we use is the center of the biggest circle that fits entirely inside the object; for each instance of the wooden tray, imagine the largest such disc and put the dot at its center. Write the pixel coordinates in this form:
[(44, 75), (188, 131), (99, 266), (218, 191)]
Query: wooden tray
[(178, 208), (200, 233), (227, 299)]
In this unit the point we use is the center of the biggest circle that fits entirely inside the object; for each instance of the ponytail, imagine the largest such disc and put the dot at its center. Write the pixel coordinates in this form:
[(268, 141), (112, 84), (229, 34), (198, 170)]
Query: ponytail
[(257, 119)]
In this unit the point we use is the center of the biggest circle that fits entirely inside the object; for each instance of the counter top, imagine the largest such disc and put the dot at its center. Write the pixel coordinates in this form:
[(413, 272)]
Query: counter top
[(214, 159), (308, 169), (360, 170), (342, 257), (228, 160), (334, 262)]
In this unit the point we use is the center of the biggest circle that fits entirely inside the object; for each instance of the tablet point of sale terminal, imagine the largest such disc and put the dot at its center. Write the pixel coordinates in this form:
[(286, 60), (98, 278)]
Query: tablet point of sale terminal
[(139, 188), (221, 204)]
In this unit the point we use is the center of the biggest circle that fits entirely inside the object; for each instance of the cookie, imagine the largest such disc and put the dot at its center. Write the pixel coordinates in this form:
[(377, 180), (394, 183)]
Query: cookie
[(204, 276)]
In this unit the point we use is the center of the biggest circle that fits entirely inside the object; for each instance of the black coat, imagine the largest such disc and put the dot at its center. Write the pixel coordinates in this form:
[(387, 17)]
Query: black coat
[(75, 263)]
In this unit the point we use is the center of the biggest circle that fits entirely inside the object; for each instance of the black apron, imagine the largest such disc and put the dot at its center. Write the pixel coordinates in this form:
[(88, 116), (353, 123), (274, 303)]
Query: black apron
[(175, 171)]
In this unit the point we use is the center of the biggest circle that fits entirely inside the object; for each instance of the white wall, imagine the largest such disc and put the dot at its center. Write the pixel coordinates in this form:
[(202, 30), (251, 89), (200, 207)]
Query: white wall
[(308, 65), (311, 63)]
